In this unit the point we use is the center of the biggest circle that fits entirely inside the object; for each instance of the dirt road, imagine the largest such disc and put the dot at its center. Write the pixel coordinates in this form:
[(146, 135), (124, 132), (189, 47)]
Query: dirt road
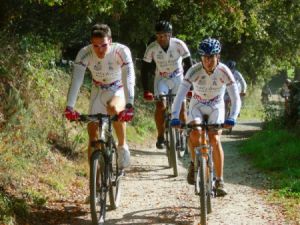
[(151, 195)]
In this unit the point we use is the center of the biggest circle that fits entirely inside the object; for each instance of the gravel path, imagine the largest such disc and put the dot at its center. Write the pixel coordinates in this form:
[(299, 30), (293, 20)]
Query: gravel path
[(152, 196)]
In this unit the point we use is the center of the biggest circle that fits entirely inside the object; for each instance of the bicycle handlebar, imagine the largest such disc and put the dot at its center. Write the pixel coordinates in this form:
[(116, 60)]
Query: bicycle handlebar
[(95, 117), (204, 126)]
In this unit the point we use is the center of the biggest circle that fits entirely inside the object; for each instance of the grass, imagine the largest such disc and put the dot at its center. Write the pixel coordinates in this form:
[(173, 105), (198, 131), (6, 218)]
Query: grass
[(276, 151), (252, 106)]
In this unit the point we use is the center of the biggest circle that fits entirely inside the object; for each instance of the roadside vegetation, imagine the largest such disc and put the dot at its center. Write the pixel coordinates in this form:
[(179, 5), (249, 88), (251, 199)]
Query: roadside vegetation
[(275, 151), (38, 147)]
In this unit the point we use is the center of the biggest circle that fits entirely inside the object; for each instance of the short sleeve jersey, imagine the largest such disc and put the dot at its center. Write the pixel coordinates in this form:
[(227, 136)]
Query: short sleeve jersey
[(208, 87), (170, 61), (108, 69)]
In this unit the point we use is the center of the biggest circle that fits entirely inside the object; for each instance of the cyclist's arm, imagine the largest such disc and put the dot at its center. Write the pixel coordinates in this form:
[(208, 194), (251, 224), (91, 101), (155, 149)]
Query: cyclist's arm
[(187, 63), (145, 71), (77, 77), (128, 79), (128, 75), (233, 92), (182, 91), (242, 82)]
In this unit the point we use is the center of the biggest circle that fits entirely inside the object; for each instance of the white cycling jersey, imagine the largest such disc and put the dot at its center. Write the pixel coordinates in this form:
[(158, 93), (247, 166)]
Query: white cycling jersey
[(168, 63), (208, 90), (115, 69), (242, 85)]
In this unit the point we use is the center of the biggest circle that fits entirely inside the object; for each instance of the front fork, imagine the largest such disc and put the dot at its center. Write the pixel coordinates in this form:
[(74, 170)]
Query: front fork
[(204, 151)]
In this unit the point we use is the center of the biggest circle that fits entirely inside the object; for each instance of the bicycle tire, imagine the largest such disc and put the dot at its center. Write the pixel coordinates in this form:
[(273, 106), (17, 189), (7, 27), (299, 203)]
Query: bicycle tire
[(173, 151), (114, 182), (182, 144), (209, 193), (98, 194), (168, 147), (202, 172)]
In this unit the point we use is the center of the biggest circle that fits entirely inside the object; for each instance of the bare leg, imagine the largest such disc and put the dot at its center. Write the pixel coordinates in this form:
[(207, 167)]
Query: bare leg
[(159, 118), (93, 136), (114, 107), (218, 154), (183, 116)]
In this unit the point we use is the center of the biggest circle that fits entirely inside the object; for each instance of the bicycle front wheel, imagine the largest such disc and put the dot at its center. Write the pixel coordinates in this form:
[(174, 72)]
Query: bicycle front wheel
[(202, 175), (114, 181), (182, 143), (98, 188), (168, 145), (173, 151)]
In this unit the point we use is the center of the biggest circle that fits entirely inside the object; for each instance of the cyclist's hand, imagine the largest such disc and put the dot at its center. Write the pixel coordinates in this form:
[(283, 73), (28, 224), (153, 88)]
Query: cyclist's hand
[(71, 114), (242, 94), (127, 114), (148, 96), (229, 123), (175, 123)]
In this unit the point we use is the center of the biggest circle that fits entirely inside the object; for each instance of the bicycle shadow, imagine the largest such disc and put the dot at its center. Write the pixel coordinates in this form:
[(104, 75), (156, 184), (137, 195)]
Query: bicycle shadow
[(164, 215), (136, 152)]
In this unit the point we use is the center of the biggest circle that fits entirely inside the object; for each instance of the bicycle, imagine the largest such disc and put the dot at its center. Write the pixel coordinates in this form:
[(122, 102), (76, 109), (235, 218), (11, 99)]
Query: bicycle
[(105, 175), (204, 170), (175, 140)]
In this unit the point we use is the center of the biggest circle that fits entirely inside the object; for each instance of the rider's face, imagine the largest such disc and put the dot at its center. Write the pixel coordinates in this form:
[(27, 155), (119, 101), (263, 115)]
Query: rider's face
[(101, 45), (163, 39), (210, 62)]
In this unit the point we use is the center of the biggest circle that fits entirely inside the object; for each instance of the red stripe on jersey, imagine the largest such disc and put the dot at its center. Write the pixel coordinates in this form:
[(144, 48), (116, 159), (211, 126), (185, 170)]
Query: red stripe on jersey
[(123, 62), (227, 75)]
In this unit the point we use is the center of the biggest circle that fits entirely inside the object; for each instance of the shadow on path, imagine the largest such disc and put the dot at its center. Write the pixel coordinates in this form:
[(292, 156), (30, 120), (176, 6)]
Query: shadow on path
[(168, 215)]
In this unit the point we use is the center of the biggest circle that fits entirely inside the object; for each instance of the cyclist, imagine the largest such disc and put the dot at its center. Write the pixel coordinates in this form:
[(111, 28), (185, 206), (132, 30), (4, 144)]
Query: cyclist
[(240, 81), (266, 93), (172, 59), (285, 93), (113, 81), (209, 79)]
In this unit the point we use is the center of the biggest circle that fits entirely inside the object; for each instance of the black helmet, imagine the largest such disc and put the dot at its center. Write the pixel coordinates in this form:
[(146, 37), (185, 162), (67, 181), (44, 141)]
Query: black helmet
[(231, 64), (163, 26)]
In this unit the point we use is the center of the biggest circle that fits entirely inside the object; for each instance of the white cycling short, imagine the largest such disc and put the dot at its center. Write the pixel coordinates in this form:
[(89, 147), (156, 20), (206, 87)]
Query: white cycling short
[(100, 97), (162, 84), (215, 112)]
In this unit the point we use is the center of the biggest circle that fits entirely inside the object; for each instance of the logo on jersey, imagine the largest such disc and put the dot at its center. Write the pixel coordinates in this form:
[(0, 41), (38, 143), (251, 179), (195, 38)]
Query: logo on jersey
[(215, 82), (160, 55), (98, 66), (110, 66)]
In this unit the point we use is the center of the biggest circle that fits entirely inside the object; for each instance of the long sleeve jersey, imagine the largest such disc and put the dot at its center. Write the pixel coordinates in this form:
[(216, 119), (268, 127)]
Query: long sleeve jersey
[(208, 89), (116, 65)]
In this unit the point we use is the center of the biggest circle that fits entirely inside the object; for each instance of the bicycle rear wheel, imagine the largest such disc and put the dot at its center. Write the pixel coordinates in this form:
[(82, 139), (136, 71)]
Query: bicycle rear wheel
[(202, 179), (173, 151), (98, 188), (114, 181)]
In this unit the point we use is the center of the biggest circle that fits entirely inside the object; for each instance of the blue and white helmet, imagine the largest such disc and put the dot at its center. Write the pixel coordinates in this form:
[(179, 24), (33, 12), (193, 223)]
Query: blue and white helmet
[(209, 46)]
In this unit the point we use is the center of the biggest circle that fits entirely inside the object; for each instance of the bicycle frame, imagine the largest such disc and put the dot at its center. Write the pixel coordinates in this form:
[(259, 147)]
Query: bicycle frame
[(170, 133), (204, 170), (104, 172)]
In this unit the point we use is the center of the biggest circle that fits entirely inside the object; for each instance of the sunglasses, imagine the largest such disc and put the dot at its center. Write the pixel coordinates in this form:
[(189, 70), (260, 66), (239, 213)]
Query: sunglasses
[(100, 46)]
